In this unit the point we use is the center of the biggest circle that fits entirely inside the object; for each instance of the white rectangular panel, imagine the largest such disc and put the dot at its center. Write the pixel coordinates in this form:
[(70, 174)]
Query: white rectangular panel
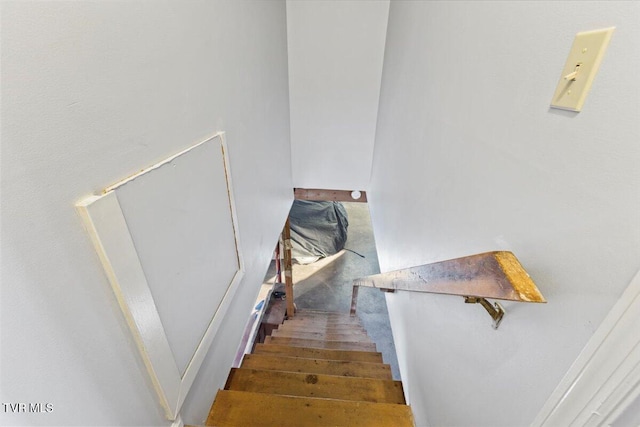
[(168, 240), (180, 222)]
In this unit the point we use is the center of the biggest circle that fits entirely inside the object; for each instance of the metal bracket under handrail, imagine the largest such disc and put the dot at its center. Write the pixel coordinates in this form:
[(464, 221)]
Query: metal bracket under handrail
[(495, 311)]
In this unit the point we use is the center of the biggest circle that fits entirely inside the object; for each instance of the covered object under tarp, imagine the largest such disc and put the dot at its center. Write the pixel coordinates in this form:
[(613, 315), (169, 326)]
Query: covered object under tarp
[(318, 229)]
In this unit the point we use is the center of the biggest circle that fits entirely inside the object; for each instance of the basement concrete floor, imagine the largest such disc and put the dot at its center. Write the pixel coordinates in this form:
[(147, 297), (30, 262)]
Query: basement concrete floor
[(326, 284)]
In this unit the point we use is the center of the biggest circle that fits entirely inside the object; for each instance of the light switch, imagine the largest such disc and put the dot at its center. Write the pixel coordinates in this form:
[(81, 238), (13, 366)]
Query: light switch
[(581, 68)]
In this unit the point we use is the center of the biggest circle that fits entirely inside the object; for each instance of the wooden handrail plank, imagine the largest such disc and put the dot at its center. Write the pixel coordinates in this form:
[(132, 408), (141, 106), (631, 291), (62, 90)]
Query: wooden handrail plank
[(497, 275)]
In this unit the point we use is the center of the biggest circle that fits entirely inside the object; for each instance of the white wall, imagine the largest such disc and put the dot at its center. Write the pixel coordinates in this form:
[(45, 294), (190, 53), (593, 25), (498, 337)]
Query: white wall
[(469, 158), (91, 92), (336, 51)]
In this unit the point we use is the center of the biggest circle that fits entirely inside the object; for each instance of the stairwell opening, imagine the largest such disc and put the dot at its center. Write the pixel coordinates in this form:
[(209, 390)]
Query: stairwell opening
[(327, 284)]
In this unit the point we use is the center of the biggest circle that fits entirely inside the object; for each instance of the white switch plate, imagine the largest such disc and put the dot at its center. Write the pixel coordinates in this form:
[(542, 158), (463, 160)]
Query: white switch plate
[(584, 60)]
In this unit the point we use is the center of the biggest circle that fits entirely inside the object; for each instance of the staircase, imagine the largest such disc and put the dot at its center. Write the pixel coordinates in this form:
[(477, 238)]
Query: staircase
[(316, 369)]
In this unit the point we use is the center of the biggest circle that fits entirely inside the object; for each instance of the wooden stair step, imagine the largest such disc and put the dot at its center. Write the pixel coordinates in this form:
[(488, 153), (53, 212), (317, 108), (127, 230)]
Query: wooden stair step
[(318, 353), (331, 319), (327, 315), (336, 345), (317, 366), (288, 331), (320, 328), (323, 313), (242, 408), (321, 322), (351, 337), (340, 316), (316, 385), (330, 331)]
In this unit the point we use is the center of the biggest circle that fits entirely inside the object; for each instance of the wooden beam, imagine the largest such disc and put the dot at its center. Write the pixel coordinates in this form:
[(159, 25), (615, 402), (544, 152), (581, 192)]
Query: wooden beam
[(328, 195), (288, 269)]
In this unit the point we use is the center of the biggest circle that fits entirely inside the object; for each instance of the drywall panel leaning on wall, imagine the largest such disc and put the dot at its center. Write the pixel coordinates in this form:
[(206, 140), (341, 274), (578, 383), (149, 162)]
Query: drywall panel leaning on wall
[(168, 241)]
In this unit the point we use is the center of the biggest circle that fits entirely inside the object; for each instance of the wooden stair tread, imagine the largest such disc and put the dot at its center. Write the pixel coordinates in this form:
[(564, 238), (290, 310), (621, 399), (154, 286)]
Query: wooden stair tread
[(317, 318), (320, 332), (241, 408), (329, 331), (336, 345), (317, 313), (322, 323), (316, 369), (317, 366), (355, 337), (319, 353), (316, 385), (288, 326)]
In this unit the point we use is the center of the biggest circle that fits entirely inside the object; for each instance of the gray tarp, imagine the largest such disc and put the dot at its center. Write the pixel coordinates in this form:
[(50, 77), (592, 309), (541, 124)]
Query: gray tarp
[(318, 229)]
